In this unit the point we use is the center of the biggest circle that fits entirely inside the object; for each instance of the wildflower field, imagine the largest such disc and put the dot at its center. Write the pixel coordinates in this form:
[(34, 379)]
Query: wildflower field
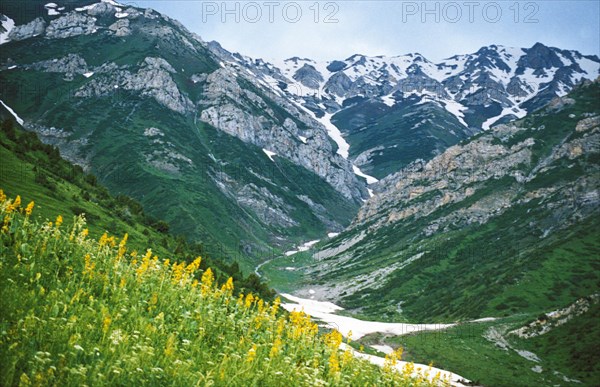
[(80, 311)]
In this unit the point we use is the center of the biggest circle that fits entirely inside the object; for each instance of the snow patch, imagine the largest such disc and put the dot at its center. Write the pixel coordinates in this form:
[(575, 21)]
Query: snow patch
[(121, 15), (85, 8), (517, 111), (383, 348), (87, 75), (388, 100), (332, 234), (335, 134), (8, 25), (427, 371), (302, 138), (358, 172), (456, 109), (325, 311), (112, 2), (19, 119), (269, 154)]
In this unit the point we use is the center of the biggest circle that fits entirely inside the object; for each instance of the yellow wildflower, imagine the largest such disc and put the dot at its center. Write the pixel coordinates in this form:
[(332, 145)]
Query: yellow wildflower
[(192, 267), (177, 270), (106, 323), (122, 247), (249, 300), (275, 306), (171, 345), (275, 348), (145, 264), (207, 281), (228, 286), (334, 364), (251, 354), (89, 265), (2, 196), (29, 208), (59, 221)]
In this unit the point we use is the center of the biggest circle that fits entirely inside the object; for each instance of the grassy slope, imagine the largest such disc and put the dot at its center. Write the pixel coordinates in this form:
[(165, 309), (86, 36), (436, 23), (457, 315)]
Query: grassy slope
[(530, 273), (62, 189), (569, 349), (113, 126), (77, 311), (400, 131)]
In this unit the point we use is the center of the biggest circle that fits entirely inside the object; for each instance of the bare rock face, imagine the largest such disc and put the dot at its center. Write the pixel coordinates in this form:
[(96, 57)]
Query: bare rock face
[(153, 79), (33, 28), (228, 107), (120, 27), (308, 76), (102, 9), (69, 65), (71, 24), (422, 188)]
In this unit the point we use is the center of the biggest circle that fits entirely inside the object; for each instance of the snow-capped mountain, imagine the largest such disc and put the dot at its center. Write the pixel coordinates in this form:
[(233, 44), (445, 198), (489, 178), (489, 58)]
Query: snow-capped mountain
[(134, 97), (367, 97)]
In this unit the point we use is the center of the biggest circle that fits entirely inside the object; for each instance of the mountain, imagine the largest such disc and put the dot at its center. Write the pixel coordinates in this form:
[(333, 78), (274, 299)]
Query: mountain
[(132, 96), (503, 223), (394, 110), (56, 187)]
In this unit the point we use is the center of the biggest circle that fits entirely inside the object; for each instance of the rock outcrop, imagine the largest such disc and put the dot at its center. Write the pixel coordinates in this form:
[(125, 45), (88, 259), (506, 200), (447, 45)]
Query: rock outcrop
[(71, 24), (33, 28)]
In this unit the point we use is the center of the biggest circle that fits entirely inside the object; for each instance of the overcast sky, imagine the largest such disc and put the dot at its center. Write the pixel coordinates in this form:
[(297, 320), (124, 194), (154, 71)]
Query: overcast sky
[(327, 30)]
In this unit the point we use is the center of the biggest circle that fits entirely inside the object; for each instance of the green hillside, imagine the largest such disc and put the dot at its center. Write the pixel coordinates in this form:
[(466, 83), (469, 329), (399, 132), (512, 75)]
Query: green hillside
[(150, 144), (395, 136), (37, 172), (79, 310), (512, 245)]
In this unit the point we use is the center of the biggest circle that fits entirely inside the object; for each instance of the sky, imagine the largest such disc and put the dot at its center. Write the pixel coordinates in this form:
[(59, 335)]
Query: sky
[(328, 30)]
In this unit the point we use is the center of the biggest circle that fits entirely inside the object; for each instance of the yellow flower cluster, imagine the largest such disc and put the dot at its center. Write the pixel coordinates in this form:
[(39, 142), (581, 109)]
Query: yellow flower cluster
[(138, 321), (59, 221), (122, 247), (29, 208), (207, 281), (9, 205), (105, 240), (391, 359), (147, 263), (89, 265)]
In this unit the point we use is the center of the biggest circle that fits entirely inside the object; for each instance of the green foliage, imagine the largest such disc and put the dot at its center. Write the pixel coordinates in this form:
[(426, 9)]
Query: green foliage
[(79, 311), (60, 186)]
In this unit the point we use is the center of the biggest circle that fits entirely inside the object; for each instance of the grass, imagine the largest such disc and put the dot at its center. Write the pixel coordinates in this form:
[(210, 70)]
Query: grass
[(79, 310), (36, 170), (568, 349)]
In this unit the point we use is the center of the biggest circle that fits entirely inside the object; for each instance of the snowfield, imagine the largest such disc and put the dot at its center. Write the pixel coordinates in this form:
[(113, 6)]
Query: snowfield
[(430, 372), (17, 118), (325, 311)]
